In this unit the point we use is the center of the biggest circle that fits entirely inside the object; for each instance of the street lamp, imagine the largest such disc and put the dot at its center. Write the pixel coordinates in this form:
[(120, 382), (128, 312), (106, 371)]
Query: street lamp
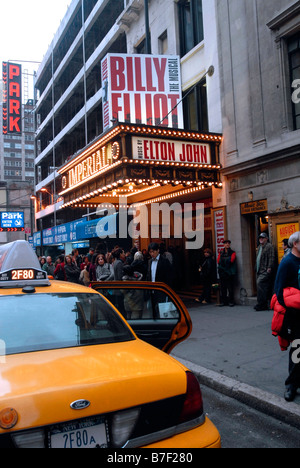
[(44, 190), (33, 213)]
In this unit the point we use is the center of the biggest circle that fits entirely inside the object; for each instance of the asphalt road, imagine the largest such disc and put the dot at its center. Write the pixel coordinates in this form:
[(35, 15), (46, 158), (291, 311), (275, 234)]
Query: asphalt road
[(243, 427)]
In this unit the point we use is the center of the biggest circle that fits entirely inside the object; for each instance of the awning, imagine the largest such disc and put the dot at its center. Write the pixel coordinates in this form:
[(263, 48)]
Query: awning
[(100, 227)]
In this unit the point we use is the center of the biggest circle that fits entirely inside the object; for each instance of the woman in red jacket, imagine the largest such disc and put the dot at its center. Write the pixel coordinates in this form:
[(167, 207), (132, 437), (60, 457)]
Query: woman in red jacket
[(288, 277)]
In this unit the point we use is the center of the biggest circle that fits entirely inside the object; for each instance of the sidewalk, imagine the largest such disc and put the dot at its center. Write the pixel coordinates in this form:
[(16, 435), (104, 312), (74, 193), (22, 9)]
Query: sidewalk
[(233, 351)]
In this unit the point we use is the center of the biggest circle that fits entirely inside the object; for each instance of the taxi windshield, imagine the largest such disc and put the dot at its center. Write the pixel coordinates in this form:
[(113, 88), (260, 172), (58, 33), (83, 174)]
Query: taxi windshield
[(38, 322)]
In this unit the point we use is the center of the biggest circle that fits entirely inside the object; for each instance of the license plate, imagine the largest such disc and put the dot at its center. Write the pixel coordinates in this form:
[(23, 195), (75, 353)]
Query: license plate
[(90, 433)]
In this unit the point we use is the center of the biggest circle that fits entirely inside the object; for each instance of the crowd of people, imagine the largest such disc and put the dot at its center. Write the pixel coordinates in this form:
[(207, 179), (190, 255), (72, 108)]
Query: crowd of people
[(223, 271), (154, 264), (157, 264)]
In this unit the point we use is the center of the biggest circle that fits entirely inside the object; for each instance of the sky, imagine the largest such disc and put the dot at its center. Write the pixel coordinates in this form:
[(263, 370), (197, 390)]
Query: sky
[(27, 29)]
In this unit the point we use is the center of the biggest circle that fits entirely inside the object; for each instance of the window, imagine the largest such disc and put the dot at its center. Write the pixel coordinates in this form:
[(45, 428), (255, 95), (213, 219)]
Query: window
[(191, 24), (53, 321), (140, 48), (163, 45), (294, 63), (195, 108)]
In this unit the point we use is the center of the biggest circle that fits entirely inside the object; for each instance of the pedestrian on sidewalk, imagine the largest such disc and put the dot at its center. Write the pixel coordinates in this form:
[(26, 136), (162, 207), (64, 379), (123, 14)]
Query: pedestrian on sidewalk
[(227, 271), (207, 276), (286, 248), (72, 271), (159, 268), (265, 270), (49, 267), (288, 276)]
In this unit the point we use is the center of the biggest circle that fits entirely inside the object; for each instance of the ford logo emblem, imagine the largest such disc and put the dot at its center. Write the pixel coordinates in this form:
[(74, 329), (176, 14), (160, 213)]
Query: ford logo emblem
[(80, 404)]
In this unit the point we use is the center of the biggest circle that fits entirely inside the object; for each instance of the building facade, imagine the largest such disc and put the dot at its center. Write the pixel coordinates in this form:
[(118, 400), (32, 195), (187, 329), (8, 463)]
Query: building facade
[(240, 78), (18, 150), (70, 98), (259, 67)]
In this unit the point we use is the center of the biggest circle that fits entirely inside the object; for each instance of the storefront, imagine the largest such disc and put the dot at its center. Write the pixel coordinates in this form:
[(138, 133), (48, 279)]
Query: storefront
[(132, 168), (260, 201)]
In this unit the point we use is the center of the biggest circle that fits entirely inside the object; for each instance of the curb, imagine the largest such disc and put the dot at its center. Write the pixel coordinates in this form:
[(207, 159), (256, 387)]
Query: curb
[(260, 400)]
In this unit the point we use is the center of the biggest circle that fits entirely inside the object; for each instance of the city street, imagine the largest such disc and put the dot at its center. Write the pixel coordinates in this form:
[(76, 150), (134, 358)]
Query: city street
[(147, 142), (237, 343), (241, 369), (243, 427)]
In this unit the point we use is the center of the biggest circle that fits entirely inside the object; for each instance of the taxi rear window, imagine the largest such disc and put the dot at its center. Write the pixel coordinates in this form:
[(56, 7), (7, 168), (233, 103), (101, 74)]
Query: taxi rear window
[(38, 322)]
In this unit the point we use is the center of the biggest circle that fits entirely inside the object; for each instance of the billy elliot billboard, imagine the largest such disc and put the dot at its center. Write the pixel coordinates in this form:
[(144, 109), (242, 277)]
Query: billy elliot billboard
[(12, 98), (142, 89)]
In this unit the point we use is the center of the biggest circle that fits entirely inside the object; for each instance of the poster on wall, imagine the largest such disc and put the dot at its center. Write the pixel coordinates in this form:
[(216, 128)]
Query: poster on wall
[(142, 89), (220, 230), (284, 231)]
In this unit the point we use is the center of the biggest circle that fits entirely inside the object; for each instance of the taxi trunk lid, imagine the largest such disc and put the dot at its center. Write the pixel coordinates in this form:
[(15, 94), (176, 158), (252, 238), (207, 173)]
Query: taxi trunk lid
[(42, 386)]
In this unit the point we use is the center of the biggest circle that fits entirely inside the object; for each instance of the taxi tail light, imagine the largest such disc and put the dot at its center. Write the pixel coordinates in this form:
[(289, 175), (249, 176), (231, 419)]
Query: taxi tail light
[(122, 426), (193, 404)]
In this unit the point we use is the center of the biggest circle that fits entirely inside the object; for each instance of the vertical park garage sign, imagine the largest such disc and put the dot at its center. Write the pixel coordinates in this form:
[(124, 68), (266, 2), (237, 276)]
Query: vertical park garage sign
[(142, 89), (12, 98)]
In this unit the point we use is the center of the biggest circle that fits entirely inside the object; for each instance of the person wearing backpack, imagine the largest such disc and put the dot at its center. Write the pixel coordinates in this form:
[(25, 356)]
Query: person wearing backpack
[(288, 281)]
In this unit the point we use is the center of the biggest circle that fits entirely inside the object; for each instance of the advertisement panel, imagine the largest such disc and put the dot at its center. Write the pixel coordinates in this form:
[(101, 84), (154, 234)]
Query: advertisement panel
[(284, 231), (142, 89), (61, 234), (220, 229), (12, 98), (12, 220), (170, 150)]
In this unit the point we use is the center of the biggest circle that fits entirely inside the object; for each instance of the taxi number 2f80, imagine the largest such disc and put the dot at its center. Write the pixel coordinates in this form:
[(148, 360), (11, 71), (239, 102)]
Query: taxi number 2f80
[(17, 275)]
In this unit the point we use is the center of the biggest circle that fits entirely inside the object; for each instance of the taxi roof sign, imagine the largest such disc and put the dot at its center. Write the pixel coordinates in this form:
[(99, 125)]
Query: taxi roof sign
[(19, 266)]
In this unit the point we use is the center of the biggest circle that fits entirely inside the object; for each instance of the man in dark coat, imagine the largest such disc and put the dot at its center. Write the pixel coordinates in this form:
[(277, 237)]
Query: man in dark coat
[(159, 268), (227, 272), (265, 269)]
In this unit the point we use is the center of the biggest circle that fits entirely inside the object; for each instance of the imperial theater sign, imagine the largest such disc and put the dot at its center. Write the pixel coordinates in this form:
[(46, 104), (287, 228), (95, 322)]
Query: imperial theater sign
[(137, 161)]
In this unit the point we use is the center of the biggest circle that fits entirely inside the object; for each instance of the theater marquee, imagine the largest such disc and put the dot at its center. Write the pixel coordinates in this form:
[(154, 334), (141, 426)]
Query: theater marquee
[(142, 163)]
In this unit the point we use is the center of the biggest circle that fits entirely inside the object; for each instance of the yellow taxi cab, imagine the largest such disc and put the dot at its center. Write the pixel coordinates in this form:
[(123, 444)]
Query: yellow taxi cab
[(74, 373)]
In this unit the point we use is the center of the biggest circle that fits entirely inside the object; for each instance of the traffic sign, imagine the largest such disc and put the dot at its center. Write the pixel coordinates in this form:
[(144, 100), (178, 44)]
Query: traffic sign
[(12, 220)]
